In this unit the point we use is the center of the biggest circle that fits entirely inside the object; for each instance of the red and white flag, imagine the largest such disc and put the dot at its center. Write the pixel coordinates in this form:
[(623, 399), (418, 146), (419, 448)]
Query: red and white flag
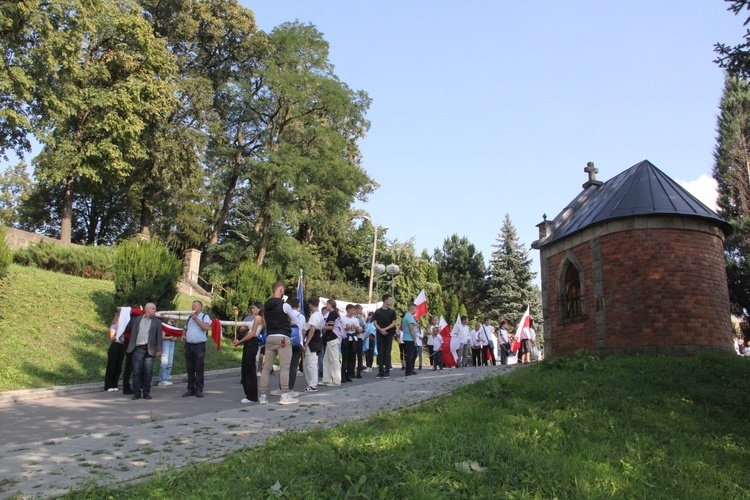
[(170, 330), (445, 328), (445, 332), (524, 323), (421, 302)]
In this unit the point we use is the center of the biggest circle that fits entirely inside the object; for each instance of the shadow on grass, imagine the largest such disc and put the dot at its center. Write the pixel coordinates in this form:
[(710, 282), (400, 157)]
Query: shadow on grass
[(104, 304)]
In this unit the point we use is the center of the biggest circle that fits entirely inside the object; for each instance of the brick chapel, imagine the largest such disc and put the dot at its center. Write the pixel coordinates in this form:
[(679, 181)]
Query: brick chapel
[(634, 265)]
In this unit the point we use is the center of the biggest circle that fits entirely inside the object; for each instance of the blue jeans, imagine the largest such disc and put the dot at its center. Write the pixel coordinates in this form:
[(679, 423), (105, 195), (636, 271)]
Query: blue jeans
[(143, 368), (167, 355)]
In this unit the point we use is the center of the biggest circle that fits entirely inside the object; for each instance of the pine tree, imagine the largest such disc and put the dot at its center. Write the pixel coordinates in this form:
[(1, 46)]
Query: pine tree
[(732, 174), (510, 280)]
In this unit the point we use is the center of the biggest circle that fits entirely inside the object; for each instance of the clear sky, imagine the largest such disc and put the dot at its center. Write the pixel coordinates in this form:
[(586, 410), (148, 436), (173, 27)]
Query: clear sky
[(482, 108)]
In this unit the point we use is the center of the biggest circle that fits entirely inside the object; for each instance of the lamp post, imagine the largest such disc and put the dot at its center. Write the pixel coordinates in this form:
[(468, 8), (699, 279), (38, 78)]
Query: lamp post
[(372, 265), (374, 249)]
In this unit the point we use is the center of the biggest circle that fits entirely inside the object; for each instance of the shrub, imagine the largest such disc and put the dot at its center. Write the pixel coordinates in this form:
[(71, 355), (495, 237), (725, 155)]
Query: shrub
[(146, 271), (5, 255), (248, 283), (86, 262)]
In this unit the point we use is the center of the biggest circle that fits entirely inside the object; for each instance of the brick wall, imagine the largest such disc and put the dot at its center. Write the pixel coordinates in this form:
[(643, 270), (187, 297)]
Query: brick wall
[(661, 290)]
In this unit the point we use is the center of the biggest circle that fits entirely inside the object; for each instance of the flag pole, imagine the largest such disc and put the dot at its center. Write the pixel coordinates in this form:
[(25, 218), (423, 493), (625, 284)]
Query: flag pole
[(235, 322)]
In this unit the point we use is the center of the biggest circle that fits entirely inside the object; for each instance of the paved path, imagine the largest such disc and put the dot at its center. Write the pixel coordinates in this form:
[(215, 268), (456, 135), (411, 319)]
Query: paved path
[(82, 435)]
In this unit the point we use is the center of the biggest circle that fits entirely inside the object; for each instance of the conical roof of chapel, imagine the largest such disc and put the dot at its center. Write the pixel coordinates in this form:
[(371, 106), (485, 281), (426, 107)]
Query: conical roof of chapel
[(641, 190)]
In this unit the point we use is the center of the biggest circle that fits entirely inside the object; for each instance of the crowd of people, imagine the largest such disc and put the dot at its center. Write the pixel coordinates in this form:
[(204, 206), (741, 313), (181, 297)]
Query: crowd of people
[(328, 348)]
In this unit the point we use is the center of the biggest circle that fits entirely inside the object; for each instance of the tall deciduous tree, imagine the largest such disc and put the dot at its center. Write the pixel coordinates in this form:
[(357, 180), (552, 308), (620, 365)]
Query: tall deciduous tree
[(101, 79), (732, 174), (462, 272), (299, 126), (511, 288), (213, 43), (17, 17)]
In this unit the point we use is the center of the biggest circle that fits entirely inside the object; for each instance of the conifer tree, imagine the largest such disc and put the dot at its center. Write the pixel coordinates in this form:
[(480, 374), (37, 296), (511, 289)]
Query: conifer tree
[(732, 174), (510, 280)]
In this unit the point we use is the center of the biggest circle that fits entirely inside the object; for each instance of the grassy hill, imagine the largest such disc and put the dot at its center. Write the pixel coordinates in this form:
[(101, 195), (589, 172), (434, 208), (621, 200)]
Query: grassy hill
[(626, 427), (53, 330)]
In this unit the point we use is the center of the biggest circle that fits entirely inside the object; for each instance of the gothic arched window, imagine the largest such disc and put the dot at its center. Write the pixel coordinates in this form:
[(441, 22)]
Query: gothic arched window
[(573, 296)]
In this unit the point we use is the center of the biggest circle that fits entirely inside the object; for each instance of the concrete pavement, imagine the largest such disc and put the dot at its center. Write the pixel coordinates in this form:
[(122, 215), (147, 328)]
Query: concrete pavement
[(67, 438)]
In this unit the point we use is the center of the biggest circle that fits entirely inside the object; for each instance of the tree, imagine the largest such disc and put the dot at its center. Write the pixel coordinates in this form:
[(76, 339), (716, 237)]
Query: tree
[(736, 60), (213, 42), (297, 128), (15, 187), (462, 272), (732, 174), (510, 288), (101, 79), (16, 39)]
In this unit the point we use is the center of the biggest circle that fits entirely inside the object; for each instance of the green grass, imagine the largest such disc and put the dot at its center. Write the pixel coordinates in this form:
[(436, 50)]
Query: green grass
[(640, 427), (54, 330)]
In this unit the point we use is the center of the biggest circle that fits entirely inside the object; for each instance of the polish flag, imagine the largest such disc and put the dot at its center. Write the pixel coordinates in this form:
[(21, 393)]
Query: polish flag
[(171, 331), (524, 323), (445, 332), (421, 302)]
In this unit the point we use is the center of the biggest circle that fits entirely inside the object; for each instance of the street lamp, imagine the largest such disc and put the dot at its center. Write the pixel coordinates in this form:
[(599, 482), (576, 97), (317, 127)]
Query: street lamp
[(391, 269)]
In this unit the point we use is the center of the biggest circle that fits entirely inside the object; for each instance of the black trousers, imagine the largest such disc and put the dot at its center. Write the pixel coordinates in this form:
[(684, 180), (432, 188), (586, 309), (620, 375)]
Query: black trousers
[(294, 365), (504, 350), (249, 371), (127, 374), (385, 344), (115, 358), (437, 359), (348, 358), (409, 356), (431, 350), (195, 356), (476, 356), (360, 366)]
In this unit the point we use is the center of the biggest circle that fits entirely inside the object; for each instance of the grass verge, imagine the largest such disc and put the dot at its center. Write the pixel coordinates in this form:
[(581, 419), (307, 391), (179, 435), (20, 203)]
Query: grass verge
[(640, 427), (54, 330)]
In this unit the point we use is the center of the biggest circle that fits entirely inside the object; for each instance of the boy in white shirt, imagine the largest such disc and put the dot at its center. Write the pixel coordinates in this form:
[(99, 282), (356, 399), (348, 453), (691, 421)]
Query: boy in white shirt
[(437, 350), (313, 343)]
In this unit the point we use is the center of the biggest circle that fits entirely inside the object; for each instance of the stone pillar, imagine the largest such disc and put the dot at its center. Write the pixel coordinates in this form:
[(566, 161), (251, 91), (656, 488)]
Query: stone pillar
[(191, 265)]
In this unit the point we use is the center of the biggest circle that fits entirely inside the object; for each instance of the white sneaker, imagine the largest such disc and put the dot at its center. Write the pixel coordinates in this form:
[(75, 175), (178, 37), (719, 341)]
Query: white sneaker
[(245, 401), (166, 382), (275, 392), (263, 399), (311, 389), (367, 370), (113, 389), (260, 373), (293, 394), (286, 399), (300, 374)]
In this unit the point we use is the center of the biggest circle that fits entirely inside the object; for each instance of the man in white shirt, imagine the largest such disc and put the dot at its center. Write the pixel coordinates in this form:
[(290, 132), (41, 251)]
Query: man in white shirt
[(195, 335)]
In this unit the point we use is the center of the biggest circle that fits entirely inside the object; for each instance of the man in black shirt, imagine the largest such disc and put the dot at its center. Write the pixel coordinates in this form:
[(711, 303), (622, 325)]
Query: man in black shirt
[(384, 320)]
